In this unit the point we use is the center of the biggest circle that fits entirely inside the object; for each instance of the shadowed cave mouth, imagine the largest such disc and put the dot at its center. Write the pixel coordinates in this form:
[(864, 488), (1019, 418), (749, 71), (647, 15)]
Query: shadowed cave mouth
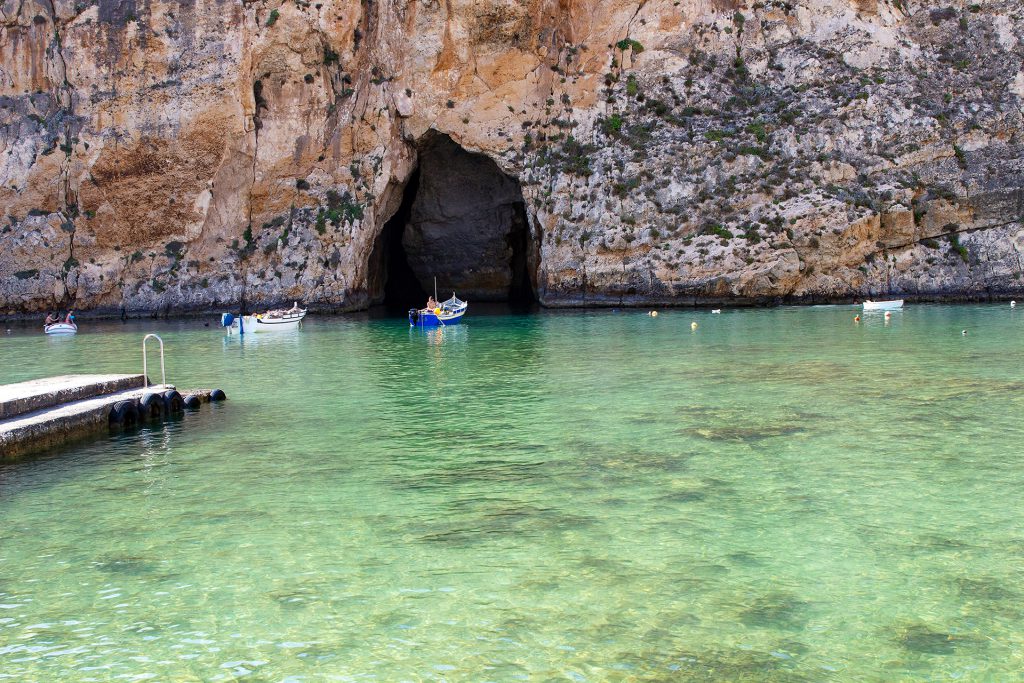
[(461, 220)]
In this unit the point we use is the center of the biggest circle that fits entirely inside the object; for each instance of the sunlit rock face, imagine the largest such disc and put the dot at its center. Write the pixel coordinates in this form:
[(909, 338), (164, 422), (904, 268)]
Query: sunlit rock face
[(159, 157)]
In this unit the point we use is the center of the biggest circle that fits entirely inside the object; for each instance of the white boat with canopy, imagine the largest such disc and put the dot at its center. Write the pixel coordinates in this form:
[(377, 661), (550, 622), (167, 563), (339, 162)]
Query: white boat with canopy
[(271, 321), (890, 305)]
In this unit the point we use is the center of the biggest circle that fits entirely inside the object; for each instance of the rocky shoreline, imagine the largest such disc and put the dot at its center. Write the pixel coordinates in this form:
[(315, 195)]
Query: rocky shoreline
[(602, 303)]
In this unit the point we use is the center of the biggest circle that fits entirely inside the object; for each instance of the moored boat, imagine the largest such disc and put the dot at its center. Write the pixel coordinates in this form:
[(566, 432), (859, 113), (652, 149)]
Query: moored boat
[(271, 321), (60, 328), (883, 305), (448, 312)]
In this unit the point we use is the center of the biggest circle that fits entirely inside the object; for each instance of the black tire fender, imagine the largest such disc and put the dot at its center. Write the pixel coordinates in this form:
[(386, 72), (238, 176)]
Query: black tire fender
[(152, 407), (124, 415), (192, 402), (217, 395), (173, 402)]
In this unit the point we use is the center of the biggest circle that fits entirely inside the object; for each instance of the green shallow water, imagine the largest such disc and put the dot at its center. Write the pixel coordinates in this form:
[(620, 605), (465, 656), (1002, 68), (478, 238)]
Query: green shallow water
[(781, 495)]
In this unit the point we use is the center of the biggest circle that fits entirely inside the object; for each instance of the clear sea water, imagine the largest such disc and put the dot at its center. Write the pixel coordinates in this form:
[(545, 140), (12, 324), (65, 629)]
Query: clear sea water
[(780, 495)]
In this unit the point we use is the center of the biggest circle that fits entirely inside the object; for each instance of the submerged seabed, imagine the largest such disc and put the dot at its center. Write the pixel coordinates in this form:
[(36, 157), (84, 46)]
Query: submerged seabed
[(781, 495)]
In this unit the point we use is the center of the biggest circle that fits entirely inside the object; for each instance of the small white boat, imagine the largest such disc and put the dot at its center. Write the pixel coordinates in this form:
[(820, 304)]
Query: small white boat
[(60, 328), (883, 305), (271, 321)]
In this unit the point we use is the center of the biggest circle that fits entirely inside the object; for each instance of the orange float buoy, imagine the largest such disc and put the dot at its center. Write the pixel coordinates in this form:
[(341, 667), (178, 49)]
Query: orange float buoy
[(856, 318)]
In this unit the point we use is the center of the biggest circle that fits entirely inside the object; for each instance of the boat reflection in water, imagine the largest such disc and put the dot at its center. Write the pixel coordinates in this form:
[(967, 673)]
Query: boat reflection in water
[(439, 336)]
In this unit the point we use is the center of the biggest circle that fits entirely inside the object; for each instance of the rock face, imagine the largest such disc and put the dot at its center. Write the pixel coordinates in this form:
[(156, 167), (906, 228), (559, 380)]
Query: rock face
[(168, 156)]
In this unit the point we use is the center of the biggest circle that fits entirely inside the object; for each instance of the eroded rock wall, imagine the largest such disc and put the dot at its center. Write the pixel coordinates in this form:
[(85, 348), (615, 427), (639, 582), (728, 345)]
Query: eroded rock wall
[(166, 156)]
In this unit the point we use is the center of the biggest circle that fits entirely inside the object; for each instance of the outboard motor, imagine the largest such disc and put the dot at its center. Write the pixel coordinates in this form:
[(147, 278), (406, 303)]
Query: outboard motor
[(226, 319), (414, 316)]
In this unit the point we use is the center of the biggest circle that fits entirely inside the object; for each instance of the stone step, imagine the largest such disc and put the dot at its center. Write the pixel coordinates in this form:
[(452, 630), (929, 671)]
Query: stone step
[(54, 425), (37, 394)]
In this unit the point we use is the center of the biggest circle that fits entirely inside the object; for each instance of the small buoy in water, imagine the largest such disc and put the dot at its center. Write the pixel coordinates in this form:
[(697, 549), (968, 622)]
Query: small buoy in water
[(654, 314), (1013, 304), (856, 318), (888, 315), (693, 326), (716, 310), (963, 332)]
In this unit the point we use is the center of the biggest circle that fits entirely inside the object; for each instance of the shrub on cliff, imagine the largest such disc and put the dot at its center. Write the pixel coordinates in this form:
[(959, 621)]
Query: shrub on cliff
[(954, 244), (630, 44), (716, 229), (612, 125)]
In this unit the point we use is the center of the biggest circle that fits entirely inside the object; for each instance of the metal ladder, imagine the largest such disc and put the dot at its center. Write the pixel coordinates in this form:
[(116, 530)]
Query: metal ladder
[(145, 373)]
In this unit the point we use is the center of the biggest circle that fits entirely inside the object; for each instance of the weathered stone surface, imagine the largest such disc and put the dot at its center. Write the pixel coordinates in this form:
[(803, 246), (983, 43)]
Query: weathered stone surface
[(167, 156), (37, 394), (68, 408)]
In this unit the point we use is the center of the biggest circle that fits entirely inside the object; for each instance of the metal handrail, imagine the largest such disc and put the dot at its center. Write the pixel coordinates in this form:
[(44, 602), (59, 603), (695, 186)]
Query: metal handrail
[(145, 372)]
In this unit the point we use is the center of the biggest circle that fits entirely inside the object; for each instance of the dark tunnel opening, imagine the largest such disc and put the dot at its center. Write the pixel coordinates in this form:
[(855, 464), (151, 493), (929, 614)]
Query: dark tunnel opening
[(401, 289), (462, 221)]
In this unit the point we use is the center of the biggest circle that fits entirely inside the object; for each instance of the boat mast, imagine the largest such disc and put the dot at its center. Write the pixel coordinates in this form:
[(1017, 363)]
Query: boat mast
[(435, 288)]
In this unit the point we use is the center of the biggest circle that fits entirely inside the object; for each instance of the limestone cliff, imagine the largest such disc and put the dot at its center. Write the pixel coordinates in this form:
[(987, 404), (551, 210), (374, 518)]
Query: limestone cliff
[(162, 156)]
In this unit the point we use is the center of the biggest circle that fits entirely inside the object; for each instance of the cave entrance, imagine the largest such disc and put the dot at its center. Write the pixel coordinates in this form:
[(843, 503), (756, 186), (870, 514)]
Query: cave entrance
[(462, 221)]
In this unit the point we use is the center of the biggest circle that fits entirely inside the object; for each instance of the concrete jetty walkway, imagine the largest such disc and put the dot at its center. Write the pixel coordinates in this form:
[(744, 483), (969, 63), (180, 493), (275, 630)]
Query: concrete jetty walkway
[(44, 413), (36, 394)]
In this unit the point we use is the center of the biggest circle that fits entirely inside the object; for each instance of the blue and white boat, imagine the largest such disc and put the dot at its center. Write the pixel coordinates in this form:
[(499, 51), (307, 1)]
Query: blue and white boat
[(447, 313)]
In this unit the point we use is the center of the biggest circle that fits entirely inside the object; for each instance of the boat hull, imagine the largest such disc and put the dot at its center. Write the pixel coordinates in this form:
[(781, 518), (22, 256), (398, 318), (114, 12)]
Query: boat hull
[(431, 319), (60, 328), (883, 305), (248, 324)]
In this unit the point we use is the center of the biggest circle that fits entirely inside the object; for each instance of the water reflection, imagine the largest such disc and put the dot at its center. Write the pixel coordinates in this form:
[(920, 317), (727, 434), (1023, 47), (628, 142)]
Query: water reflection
[(436, 336)]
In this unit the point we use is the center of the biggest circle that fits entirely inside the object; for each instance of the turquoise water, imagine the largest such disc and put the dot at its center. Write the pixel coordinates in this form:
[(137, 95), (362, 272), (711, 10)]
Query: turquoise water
[(780, 495)]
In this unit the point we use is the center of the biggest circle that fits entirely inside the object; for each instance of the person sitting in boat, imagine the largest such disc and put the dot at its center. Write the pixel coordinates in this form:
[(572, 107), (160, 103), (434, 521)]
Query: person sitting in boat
[(431, 303), (70, 319), (294, 308), (51, 318)]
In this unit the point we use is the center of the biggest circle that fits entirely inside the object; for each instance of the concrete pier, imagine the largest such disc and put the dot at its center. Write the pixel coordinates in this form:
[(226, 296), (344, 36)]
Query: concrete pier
[(36, 394), (45, 413)]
